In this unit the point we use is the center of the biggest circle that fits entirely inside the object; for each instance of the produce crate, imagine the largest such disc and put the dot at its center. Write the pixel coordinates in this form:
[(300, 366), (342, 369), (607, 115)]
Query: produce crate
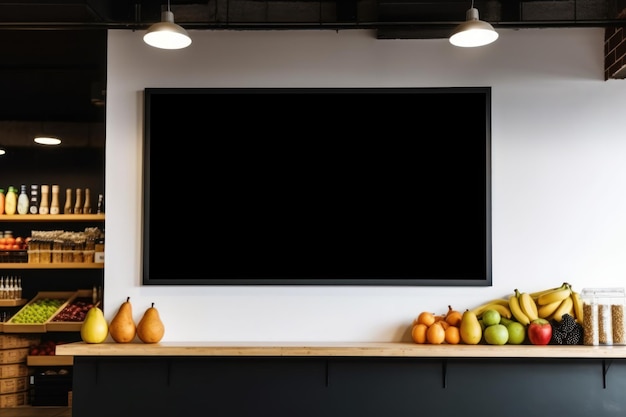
[(13, 355), (14, 400), (12, 327), (13, 370), (13, 341), (69, 326), (11, 385)]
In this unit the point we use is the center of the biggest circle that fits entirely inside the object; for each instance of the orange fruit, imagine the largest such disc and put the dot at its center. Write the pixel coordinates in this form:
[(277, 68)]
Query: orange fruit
[(426, 318), (453, 317), (443, 324), (418, 333), (453, 335), (436, 334)]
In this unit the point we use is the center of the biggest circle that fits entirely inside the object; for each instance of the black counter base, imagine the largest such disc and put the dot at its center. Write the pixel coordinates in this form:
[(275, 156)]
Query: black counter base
[(335, 386)]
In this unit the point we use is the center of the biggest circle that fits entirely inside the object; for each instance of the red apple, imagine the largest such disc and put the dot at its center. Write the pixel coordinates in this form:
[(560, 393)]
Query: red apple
[(539, 332)]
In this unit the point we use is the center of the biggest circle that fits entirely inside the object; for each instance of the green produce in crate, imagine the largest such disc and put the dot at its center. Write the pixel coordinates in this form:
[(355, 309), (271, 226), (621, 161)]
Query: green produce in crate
[(39, 311)]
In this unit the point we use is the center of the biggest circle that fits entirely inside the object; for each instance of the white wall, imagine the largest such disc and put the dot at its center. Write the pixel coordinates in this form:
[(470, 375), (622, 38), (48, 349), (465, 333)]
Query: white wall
[(559, 171)]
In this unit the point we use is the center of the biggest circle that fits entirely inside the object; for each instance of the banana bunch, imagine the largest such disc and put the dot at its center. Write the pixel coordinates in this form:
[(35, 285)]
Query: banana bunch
[(501, 305), (553, 303), (523, 307)]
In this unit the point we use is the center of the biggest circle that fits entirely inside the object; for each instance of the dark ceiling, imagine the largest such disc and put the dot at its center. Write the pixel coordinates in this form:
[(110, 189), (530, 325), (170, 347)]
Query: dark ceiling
[(53, 52)]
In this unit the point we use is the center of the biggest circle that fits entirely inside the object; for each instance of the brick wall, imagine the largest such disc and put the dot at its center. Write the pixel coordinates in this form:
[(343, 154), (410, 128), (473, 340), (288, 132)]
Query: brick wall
[(615, 43), (615, 52)]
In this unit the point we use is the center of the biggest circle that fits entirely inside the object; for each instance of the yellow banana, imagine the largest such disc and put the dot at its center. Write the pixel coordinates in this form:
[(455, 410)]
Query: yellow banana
[(560, 294), (565, 307), (528, 305), (545, 312), (516, 310), (484, 307), (537, 294), (503, 310), (578, 306)]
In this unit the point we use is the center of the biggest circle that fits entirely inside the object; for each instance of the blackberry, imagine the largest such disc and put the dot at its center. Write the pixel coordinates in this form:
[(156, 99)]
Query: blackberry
[(568, 323), (558, 337), (575, 337)]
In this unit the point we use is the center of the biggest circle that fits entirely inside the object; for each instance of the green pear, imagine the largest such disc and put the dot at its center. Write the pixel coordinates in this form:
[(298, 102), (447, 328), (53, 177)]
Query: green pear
[(470, 329), (150, 328), (122, 328), (95, 328)]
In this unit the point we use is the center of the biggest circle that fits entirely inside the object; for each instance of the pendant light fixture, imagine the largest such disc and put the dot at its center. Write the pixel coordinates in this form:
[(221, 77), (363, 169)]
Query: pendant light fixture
[(44, 138), (166, 34), (47, 140), (473, 32)]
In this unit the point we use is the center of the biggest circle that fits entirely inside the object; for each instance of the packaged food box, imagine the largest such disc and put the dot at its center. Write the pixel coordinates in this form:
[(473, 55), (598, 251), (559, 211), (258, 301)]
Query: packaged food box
[(12, 341), (13, 355), (13, 370), (11, 385), (33, 316), (14, 400)]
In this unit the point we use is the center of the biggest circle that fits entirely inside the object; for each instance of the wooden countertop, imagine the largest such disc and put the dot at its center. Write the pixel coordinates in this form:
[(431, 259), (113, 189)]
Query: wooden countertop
[(339, 349)]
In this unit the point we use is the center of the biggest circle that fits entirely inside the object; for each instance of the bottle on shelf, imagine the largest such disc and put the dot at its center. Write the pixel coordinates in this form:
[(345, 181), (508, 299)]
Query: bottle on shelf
[(10, 290), (54, 203), (78, 206), (22, 200), (1, 200), (68, 201), (87, 206), (2, 294), (99, 249), (100, 209), (10, 202), (18, 288), (33, 208), (44, 208)]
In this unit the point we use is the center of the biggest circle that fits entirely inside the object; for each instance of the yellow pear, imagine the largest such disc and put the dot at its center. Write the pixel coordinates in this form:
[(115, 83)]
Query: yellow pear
[(94, 328), (150, 328), (470, 328), (122, 327)]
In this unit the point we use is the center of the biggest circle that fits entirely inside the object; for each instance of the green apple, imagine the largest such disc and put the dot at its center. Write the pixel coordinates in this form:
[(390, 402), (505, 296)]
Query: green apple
[(491, 317), (517, 333), (496, 334)]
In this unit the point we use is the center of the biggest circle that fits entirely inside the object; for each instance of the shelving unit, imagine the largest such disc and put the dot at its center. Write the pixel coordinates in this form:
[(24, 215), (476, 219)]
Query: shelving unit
[(38, 277)]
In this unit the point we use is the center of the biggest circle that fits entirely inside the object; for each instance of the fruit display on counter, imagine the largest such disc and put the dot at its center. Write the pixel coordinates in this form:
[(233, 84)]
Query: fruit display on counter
[(95, 328), (122, 328), (437, 329), (547, 317), (150, 328)]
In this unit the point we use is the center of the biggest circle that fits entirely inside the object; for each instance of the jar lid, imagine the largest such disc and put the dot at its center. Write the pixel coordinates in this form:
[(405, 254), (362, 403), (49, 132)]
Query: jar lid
[(603, 292)]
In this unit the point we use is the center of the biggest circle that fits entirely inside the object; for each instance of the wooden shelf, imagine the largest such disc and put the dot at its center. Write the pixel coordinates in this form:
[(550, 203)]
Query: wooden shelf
[(13, 303), (49, 360), (355, 349), (26, 265), (51, 217)]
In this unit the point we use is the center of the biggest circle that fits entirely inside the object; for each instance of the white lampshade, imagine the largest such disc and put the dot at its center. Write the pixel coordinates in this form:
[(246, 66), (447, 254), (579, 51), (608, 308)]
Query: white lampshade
[(473, 32), (167, 34)]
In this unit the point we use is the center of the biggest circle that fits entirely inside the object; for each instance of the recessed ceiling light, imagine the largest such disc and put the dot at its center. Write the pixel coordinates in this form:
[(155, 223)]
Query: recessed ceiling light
[(47, 140), (2, 151)]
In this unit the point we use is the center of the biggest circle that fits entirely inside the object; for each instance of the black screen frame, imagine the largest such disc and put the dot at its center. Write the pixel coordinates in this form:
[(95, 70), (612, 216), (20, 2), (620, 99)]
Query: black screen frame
[(310, 99)]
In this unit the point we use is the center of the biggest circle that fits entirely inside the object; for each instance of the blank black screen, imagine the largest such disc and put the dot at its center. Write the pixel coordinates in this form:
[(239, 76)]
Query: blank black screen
[(317, 186)]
